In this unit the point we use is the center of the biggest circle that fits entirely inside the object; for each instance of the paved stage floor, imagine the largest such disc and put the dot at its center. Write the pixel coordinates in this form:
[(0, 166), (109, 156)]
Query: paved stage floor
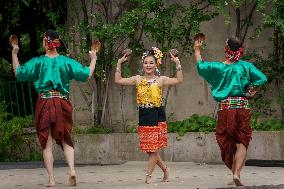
[(131, 175)]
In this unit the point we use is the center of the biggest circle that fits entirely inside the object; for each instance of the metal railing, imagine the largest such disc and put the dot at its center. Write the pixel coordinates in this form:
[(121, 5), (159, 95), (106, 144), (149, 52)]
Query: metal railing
[(18, 97)]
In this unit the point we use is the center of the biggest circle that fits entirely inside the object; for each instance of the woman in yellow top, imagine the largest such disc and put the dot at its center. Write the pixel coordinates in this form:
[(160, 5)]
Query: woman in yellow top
[(152, 128)]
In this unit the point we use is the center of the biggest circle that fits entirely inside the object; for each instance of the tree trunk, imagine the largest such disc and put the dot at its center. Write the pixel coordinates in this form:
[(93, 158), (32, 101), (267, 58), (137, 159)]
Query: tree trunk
[(105, 99), (99, 101), (238, 22)]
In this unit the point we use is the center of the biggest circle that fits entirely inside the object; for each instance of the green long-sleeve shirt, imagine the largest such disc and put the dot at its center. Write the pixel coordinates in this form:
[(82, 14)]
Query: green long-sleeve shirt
[(227, 80), (52, 73)]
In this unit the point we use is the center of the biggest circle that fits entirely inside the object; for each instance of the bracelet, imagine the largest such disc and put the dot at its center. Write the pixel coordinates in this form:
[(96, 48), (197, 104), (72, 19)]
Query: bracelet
[(179, 68), (118, 70)]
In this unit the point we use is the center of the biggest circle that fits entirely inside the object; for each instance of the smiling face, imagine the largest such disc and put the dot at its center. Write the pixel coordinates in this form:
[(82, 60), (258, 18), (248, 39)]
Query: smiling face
[(149, 65)]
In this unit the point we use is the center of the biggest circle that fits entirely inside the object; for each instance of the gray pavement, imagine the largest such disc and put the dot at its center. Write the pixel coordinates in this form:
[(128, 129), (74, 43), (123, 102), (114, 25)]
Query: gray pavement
[(131, 175)]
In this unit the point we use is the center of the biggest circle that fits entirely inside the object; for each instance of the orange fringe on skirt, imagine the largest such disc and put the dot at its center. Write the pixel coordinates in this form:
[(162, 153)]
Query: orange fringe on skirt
[(152, 138)]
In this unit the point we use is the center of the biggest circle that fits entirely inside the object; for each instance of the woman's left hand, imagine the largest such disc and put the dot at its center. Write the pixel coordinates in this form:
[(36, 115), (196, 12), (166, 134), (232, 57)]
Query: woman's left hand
[(93, 54), (174, 58)]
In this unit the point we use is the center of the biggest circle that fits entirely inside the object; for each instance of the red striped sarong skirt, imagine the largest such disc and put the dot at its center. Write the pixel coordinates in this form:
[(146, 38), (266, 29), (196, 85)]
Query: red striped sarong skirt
[(233, 127), (54, 114)]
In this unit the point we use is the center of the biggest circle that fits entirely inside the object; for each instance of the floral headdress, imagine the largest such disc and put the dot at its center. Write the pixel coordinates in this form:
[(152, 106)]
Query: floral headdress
[(234, 56), (157, 53), (52, 41)]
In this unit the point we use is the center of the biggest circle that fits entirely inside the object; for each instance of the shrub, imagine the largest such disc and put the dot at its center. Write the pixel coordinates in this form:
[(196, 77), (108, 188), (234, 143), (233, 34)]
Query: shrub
[(271, 124), (196, 123), (14, 145), (202, 123)]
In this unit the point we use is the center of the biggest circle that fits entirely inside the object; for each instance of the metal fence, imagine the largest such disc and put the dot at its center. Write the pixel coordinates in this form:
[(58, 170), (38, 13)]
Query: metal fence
[(18, 98)]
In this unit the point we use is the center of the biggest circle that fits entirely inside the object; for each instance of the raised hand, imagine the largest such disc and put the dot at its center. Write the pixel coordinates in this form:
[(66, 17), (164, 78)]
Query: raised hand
[(127, 52), (197, 44), (93, 55), (122, 59), (15, 60), (15, 48), (198, 41), (175, 59)]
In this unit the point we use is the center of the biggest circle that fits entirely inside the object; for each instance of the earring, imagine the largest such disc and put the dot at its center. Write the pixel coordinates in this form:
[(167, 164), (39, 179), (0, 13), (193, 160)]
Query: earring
[(157, 71)]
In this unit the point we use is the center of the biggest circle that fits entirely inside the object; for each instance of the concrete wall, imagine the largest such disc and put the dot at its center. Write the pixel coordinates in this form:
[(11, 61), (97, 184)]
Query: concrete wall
[(193, 147)]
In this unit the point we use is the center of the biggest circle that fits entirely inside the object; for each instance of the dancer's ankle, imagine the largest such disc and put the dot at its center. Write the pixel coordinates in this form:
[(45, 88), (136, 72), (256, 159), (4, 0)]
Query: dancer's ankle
[(166, 175), (51, 177), (72, 172), (237, 174), (165, 169), (148, 178)]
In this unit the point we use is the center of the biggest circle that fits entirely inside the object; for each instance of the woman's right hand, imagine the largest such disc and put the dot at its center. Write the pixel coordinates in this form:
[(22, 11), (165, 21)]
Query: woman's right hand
[(175, 59), (197, 44), (15, 48), (122, 59), (93, 55)]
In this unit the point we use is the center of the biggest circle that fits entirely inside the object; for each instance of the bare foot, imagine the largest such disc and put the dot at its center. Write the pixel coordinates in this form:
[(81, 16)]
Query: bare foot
[(166, 175), (148, 179), (51, 182), (72, 180), (237, 180)]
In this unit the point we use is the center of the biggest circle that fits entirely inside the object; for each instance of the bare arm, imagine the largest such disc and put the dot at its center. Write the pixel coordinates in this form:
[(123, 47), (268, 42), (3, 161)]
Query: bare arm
[(15, 59), (197, 49), (92, 66), (179, 76), (119, 79)]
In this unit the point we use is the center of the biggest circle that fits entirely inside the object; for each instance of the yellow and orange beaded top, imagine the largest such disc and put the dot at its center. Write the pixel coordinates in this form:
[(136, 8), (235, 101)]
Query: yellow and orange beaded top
[(149, 93)]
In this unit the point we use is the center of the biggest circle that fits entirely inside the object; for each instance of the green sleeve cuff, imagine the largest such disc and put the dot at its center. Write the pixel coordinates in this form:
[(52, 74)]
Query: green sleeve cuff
[(199, 61)]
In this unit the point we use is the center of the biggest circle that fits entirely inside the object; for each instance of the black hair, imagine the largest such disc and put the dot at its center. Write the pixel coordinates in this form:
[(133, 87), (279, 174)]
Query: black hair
[(234, 43), (150, 53), (52, 34)]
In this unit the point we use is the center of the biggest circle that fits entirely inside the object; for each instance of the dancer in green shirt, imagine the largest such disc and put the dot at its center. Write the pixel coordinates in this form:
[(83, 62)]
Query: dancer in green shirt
[(230, 81), (51, 74)]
